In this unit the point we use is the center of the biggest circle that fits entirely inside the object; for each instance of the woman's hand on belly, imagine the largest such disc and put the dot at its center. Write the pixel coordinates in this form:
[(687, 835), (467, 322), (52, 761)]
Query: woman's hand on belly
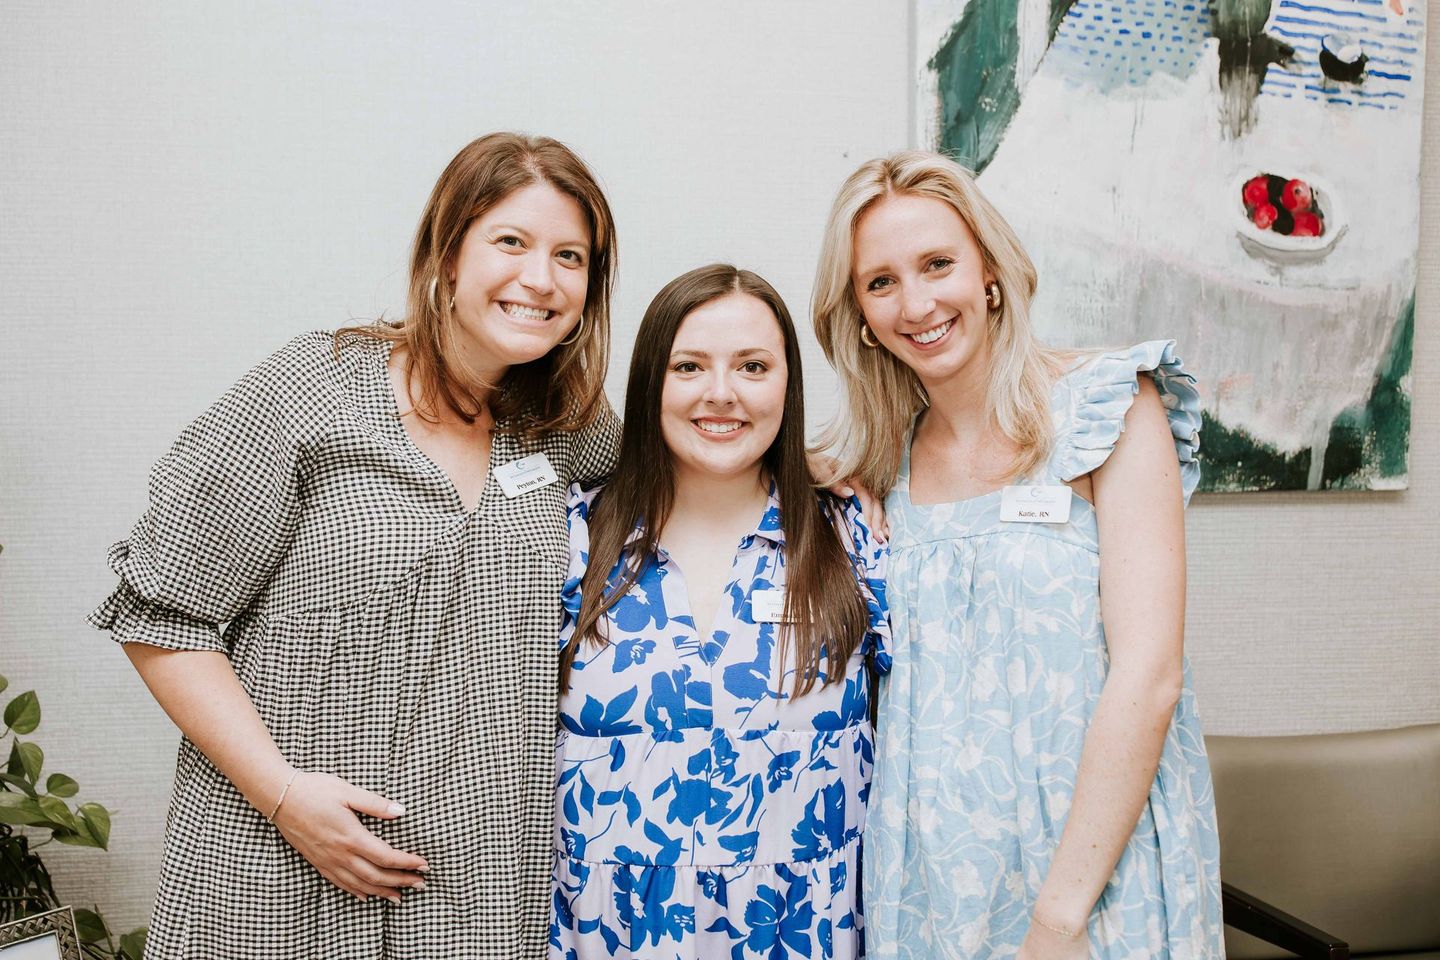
[(318, 818)]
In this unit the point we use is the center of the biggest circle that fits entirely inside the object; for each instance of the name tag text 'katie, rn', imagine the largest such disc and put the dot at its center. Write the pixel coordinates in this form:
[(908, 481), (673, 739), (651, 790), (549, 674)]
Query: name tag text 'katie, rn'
[(526, 474), (1035, 504)]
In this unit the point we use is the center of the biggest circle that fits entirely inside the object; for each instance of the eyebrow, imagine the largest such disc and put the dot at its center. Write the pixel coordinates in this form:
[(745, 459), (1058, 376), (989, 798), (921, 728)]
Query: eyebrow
[(940, 251), (511, 228), (702, 355)]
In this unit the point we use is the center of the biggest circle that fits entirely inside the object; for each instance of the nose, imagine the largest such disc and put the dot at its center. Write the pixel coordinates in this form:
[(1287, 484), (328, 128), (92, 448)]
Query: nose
[(915, 307), (719, 391), (537, 274)]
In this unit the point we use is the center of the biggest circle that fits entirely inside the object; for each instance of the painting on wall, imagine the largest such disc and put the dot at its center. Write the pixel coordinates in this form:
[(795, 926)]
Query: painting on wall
[(1239, 175)]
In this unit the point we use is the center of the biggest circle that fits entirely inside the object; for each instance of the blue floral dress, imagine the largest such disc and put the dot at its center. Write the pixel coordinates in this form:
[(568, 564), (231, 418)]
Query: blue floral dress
[(999, 660), (701, 812)]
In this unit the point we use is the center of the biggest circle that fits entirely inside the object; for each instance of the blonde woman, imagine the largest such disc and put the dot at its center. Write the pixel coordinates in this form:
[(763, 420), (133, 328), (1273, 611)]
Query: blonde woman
[(1041, 787)]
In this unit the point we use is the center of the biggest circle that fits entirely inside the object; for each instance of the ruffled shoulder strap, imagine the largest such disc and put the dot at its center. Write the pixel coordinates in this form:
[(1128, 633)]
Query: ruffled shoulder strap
[(1101, 392)]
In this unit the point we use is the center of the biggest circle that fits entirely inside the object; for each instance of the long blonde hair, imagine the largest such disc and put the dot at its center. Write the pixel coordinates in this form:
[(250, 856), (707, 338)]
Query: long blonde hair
[(563, 390), (883, 395)]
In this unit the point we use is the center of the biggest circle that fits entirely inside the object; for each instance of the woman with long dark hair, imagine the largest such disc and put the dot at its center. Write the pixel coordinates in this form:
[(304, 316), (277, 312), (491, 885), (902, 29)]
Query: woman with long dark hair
[(378, 519), (715, 752)]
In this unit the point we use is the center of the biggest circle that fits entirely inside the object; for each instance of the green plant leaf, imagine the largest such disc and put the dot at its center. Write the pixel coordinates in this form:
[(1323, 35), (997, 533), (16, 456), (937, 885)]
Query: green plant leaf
[(20, 810), (22, 714), (79, 837), (97, 818), (32, 758), (132, 944), (57, 811), (59, 785), (3, 684), (19, 783), (90, 926), (15, 766)]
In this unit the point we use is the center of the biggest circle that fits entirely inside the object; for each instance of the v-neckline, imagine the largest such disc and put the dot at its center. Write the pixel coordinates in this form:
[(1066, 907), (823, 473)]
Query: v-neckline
[(438, 472)]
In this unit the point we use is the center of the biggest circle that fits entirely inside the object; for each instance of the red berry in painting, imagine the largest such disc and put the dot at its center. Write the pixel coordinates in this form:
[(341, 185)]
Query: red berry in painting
[(1297, 196), (1264, 215), (1307, 224), (1256, 191)]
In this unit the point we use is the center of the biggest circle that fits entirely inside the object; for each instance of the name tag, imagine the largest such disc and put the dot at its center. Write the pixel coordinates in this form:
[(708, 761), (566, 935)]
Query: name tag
[(767, 606), (1035, 504), (526, 474)]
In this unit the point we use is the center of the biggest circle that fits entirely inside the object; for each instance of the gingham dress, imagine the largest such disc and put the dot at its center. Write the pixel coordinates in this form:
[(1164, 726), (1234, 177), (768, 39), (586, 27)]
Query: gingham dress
[(385, 635)]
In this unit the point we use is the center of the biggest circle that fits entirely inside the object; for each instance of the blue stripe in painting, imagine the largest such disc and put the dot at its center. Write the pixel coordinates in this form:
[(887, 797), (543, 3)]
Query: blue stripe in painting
[(1390, 76), (1339, 100), (1386, 34), (1292, 5)]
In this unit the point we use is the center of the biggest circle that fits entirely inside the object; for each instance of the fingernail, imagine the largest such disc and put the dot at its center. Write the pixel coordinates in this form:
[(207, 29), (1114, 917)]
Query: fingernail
[(395, 809), (847, 491), (394, 899), (418, 885), (424, 868)]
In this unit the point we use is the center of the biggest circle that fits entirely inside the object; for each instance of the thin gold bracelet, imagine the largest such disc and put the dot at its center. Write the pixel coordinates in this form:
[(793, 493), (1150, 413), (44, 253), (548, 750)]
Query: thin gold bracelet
[(1072, 934), (283, 790)]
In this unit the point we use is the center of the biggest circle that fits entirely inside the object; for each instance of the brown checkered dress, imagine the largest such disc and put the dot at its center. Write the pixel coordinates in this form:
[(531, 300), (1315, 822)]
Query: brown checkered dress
[(385, 636)]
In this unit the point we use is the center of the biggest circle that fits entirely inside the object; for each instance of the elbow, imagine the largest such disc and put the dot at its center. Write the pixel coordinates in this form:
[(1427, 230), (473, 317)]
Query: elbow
[(1155, 690)]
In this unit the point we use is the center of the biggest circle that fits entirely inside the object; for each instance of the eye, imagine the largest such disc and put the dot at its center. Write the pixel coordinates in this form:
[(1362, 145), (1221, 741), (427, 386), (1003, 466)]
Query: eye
[(510, 241), (686, 366), (879, 283), (940, 263), (574, 256), (753, 367)]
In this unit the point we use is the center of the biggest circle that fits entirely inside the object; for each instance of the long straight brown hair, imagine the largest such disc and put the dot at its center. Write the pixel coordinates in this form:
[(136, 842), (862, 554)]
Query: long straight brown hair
[(825, 615), (563, 390)]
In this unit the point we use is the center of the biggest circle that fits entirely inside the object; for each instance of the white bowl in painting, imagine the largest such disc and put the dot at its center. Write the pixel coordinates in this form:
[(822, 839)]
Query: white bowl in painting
[(1266, 243)]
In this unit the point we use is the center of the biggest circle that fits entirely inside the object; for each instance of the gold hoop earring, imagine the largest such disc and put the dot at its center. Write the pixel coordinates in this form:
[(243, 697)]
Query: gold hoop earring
[(867, 336), (435, 282), (992, 296), (576, 335)]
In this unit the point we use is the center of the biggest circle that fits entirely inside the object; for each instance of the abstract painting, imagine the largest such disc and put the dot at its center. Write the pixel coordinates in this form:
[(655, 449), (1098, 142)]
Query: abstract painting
[(1239, 175)]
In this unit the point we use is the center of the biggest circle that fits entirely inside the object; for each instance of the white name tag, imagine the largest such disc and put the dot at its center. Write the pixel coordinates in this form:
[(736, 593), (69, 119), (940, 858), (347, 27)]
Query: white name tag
[(526, 474), (1035, 504), (767, 606)]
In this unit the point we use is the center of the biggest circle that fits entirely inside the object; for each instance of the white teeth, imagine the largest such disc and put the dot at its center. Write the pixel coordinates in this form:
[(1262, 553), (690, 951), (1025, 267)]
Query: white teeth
[(930, 336), (711, 426), (526, 313)]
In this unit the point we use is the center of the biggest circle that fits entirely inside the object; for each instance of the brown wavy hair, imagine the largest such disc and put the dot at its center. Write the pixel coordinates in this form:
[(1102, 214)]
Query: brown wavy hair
[(563, 390), (825, 615)]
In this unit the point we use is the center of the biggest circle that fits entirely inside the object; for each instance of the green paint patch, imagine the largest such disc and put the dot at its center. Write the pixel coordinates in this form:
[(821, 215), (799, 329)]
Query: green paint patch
[(1370, 442), (1232, 460), (1368, 447)]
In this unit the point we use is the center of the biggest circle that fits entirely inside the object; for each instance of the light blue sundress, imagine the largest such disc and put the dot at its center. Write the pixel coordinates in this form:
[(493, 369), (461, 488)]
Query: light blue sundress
[(999, 658)]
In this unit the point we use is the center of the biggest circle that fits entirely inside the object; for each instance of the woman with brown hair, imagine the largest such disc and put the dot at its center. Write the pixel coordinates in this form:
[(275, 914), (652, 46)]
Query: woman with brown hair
[(377, 518), (1041, 789), (715, 751)]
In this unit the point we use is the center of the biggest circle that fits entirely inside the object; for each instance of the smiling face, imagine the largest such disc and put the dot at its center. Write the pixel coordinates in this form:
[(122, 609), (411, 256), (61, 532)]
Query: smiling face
[(520, 278), (920, 281), (724, 393)]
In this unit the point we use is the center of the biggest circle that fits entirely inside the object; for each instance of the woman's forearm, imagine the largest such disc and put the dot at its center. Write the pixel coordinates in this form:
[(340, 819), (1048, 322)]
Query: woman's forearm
[(1117, 768), (201, 694)]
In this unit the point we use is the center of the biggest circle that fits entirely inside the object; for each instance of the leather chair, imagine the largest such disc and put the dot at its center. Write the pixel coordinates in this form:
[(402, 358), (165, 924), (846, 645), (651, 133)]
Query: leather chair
[(1342, 830)]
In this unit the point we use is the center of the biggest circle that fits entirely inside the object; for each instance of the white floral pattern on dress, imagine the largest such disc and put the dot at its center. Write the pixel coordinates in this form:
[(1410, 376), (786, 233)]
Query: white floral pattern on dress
[(999, 658), (701, 812)]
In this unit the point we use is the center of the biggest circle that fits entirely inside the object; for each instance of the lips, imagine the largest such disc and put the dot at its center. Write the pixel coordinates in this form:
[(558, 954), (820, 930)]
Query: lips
[(716, 427), (519, 311), (927, 337)]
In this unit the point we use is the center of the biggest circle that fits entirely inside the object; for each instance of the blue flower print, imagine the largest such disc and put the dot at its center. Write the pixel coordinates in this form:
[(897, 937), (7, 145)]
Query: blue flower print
[(710, 813)]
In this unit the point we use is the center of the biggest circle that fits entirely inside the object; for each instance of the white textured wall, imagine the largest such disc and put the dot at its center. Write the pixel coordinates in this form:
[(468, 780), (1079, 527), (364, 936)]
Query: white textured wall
[(183, 188)]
